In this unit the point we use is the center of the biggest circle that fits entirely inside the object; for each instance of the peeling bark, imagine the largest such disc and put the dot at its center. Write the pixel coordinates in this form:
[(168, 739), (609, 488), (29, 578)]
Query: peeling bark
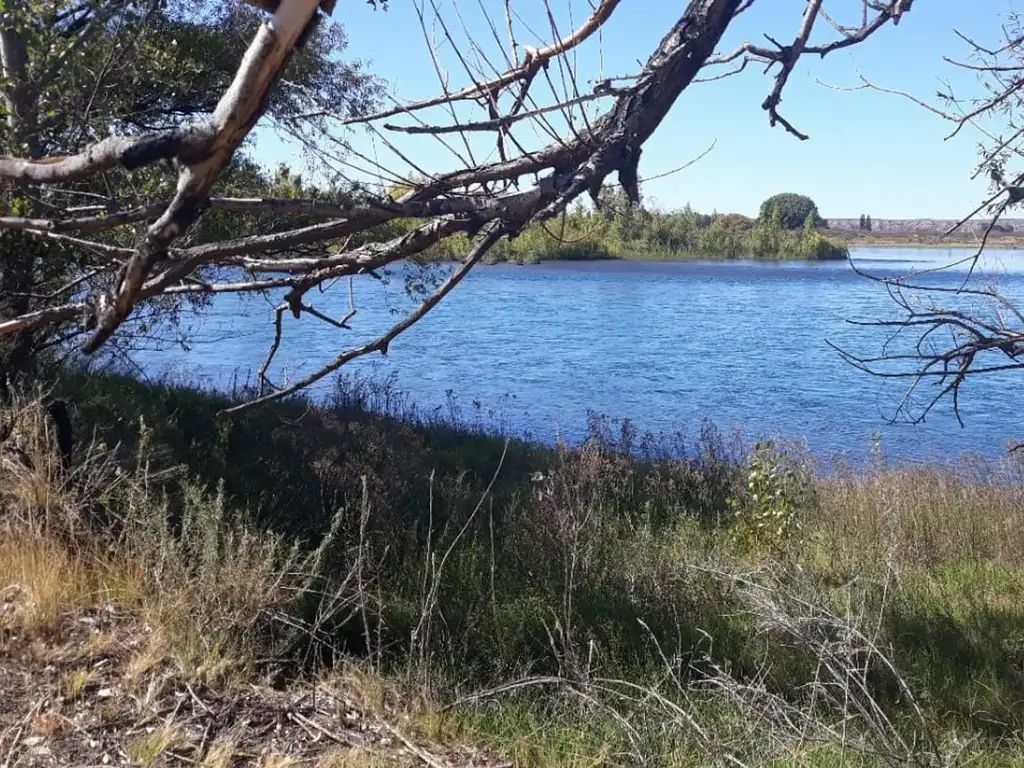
[(236, 114)]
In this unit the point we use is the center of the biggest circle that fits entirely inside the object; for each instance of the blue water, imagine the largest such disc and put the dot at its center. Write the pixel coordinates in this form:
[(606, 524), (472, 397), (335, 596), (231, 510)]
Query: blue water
[(666, 345)]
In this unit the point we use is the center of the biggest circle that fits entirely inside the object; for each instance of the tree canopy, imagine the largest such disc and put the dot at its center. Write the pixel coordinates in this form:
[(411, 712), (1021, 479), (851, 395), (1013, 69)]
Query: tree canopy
[(78, 72), (790, 209), (614, 229)]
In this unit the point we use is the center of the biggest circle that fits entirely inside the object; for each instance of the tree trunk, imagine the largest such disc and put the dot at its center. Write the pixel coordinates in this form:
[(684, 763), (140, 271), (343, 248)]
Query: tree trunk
[(17, 255)]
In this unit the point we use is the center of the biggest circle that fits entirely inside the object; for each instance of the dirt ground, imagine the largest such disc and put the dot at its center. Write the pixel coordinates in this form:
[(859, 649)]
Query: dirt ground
[(79, 698)]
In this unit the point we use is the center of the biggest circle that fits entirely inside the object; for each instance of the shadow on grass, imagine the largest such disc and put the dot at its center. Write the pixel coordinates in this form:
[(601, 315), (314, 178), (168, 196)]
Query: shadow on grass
[(566, 561), (966, 653)]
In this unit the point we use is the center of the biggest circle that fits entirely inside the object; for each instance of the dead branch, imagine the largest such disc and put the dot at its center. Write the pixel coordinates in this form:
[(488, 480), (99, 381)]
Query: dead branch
[(788, 55), (134, 252), (235, 115), (382, 343), (186, 143), (533, 61), (937, 338), (503, 123)]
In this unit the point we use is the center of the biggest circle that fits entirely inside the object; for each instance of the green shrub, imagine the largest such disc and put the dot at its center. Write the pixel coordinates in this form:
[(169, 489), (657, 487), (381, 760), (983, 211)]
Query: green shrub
[(736, 222), (768, 513)]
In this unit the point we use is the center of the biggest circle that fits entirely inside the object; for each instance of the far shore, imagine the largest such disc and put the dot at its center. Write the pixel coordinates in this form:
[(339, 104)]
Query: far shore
[(856, 239), (843, 239)]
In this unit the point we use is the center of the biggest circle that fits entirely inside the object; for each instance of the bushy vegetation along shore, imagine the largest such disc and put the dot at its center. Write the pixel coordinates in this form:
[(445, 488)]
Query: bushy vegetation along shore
[(628, 601), (617, 231)]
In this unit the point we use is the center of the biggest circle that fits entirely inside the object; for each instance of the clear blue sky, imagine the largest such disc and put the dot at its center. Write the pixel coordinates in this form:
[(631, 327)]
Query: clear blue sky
[(868, 152)]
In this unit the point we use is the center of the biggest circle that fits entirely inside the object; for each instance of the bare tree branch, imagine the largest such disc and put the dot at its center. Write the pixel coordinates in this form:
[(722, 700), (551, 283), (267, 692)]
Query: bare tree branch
[(532, 63), (788, 55), (948, 331), (48, 316), (381, 344), (140, 250), (233, 119), (503, 123)]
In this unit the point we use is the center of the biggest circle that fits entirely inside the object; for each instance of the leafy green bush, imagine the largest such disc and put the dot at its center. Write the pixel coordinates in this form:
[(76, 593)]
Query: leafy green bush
[(815, 246), (768, 512), (618, 231)]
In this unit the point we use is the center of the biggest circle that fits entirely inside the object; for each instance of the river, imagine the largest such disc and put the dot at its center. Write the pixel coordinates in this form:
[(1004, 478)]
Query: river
[(665, 345)]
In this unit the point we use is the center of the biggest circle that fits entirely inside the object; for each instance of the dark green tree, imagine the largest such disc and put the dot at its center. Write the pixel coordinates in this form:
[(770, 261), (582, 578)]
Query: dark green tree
[(861, 225), (793, 210)]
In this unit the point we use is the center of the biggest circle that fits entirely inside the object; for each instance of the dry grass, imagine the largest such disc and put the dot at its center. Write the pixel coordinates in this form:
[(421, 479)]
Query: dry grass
[(365, 758), (41, 581), (214, 591), (147, 750), (220, 755), (671, 637), (71, 699), (924, 515), (190, 598)]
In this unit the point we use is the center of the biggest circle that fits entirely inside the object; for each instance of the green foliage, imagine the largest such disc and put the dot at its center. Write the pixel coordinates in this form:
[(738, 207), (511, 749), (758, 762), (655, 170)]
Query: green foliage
[(816, 246), (768, 512), (94, 69), (791, 210), (609, 566), (553, 573), (198, 551), (617, 230), (153, 63), (736, 222)]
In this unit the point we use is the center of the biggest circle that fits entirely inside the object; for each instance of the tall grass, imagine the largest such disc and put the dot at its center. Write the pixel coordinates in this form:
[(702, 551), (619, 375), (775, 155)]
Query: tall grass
[(621, 601), (220, 594)]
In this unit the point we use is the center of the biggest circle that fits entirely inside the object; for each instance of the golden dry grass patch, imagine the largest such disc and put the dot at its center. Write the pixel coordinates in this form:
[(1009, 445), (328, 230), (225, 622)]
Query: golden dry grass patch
[(40, 580)]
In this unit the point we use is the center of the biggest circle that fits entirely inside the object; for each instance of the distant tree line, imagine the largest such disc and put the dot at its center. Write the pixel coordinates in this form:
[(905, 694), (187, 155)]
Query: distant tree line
[(787, 228)]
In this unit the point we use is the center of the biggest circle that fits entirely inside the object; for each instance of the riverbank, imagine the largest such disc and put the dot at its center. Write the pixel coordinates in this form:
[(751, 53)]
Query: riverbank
[(859, 239), (840, 241), (713, 243), (624, 233), (838, 249), (481, 597)]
